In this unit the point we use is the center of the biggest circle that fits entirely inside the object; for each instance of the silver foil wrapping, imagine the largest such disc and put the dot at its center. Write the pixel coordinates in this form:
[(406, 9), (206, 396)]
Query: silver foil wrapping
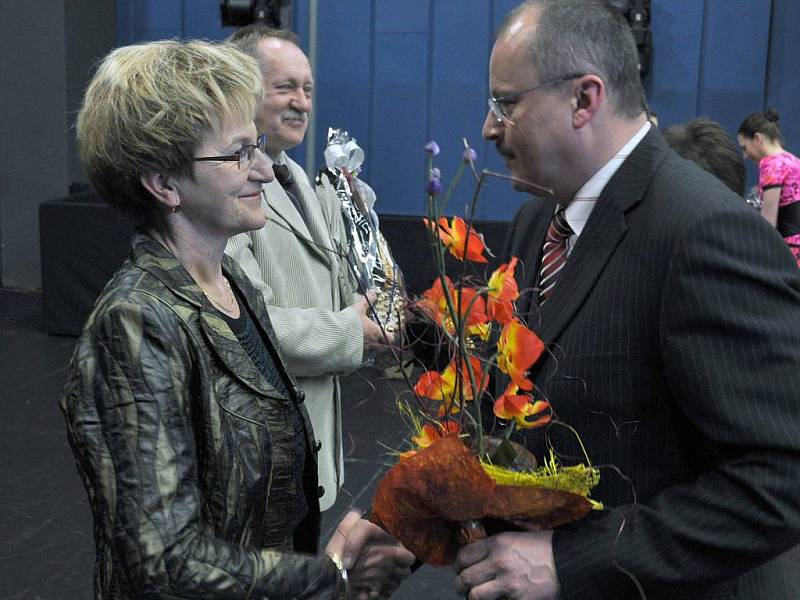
[(368, 253)]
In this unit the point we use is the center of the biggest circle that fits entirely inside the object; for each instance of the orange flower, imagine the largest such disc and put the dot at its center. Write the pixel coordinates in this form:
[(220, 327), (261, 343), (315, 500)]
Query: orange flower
[(517, 349), (481, 330), (448, 410), (432, 432), (503, 291), (519, 406), (473, 306), (434, 304), (442, 386), (454, 236), (434, 386)]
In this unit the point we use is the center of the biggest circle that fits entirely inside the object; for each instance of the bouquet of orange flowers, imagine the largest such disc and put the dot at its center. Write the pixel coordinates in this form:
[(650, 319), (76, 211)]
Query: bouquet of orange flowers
[(454, 476)]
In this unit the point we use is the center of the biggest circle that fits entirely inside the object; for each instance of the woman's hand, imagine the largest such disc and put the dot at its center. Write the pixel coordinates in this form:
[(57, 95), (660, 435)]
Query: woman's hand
[(376, 563)]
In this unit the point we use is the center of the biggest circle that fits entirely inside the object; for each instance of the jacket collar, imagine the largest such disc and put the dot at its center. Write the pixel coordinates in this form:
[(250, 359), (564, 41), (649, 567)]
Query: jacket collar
[(157, 260), (605, 229), (310, 233)]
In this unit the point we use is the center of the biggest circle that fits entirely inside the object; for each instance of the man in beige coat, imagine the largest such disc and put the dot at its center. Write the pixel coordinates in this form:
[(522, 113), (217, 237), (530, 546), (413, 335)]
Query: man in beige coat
[(297, 259)]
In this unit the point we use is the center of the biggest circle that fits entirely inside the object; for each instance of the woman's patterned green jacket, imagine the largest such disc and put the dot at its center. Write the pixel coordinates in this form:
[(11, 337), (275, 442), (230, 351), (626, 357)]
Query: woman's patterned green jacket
[(184, 447)]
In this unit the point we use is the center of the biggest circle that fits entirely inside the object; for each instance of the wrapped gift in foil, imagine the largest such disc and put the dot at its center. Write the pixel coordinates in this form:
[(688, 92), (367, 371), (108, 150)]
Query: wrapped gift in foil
[(368, 253)]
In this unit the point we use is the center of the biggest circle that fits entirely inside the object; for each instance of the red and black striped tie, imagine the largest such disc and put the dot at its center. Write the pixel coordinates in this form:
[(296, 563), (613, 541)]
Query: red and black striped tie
[(554, 254)]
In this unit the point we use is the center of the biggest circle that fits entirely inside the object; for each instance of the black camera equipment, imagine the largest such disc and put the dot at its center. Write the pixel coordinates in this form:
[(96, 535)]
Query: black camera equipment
[(237, 13)]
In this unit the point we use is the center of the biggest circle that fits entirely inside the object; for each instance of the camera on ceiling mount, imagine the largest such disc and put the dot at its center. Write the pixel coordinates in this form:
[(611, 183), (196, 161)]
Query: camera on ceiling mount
[(273, 13), (638, 12)]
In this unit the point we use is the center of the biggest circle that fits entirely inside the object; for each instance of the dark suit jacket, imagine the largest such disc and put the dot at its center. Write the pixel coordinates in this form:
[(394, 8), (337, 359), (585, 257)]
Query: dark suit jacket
[(674, 338)]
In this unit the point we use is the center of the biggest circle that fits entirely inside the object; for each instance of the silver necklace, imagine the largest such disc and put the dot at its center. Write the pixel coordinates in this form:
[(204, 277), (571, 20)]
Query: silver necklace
[(229, 309)]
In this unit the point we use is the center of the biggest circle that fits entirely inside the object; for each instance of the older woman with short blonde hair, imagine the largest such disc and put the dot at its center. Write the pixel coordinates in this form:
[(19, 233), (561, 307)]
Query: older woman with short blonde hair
[(190, 435)]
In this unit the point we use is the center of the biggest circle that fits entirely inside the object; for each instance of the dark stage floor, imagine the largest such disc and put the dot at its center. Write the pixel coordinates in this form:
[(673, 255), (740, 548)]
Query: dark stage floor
[(46, 548)]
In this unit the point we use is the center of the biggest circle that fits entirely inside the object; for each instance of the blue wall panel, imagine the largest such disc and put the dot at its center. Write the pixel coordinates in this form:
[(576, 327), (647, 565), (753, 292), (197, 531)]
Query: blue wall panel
[(733, 66), (410, 16), (299, 17), (398, 125), (158, 19), (202, 19), (783, 86), (146, 20), (396, 73), (163, 14), (677, 28), (125, 23), (344, 73), (500, 8), (458, 86)]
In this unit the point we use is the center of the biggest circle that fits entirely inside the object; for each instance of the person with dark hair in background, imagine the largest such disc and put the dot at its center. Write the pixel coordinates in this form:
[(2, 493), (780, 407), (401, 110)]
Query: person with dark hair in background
[(778, 175), (190, 433), (671, 312), (296, 260), (705, 142)]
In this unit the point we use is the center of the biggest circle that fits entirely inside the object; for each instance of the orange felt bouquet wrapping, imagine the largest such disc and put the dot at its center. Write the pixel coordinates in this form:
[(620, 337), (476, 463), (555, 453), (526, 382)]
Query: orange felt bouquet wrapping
[(425, 498), (435, 497)]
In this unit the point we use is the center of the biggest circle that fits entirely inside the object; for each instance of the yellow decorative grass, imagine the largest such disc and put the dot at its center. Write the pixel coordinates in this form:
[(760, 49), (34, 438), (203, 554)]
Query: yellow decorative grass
[(577, 479)]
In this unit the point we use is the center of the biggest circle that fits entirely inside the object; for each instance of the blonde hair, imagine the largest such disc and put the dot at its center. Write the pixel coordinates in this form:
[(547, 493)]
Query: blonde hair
[(148, 107)]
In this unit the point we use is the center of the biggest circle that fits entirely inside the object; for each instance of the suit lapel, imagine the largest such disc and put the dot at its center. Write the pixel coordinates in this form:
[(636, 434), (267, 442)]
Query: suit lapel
[(311, 234), (605, 229)]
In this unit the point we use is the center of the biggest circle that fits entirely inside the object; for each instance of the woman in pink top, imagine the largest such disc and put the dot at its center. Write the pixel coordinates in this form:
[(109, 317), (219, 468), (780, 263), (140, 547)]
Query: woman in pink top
[(778, 175)]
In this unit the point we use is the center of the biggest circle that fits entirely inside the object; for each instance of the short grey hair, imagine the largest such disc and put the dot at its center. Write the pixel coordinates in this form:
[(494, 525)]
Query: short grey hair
[(246, 39), (585, 36)]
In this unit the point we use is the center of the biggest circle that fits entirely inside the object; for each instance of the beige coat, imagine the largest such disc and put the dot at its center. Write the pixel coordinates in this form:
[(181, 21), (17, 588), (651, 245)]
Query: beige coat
[(307, 289)]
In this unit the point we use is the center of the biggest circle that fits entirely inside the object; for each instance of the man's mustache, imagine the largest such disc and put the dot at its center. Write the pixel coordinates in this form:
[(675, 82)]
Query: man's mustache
[(503, 151), (291, 113)]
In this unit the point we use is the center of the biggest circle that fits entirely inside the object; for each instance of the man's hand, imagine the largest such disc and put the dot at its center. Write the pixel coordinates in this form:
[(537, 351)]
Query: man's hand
[(373, 335), (376, 563), (517, 566)]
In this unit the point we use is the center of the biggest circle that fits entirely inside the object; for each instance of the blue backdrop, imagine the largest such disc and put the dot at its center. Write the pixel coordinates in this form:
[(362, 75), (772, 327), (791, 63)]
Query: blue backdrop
[(397, 73)]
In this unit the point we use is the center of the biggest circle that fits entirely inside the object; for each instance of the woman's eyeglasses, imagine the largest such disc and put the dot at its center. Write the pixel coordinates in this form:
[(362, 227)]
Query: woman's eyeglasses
[(244, 155)]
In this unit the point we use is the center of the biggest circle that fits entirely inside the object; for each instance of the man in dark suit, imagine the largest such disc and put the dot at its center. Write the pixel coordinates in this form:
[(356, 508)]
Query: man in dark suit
[(672, 316)]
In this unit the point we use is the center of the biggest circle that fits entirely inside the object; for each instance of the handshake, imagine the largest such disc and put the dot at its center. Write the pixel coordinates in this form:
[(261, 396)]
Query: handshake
[(371, 562)]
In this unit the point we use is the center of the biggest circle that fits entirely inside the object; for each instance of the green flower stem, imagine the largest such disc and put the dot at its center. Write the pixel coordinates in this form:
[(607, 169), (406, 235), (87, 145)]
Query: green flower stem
[(459, 326), (454, 307), (438, 252), (452, 186), (476, 386), (462, 344)]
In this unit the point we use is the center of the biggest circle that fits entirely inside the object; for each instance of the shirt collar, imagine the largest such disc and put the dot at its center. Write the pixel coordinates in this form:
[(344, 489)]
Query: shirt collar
[(281, 158), (581, 206)]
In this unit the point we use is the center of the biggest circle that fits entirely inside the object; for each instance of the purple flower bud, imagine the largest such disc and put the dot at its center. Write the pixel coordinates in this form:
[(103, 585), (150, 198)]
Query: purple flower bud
[(434, 186), (470, 155), (436, 173), (431, 148)]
